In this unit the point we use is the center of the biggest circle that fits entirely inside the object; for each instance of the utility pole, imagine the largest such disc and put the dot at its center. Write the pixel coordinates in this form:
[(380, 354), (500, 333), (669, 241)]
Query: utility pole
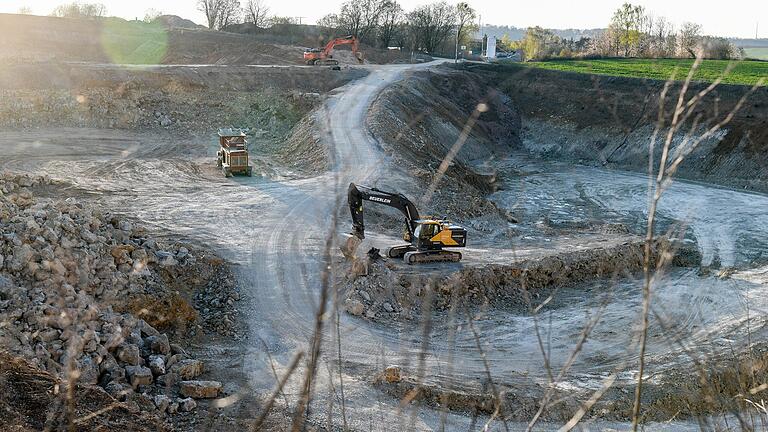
[(482, 38), (456, 58)]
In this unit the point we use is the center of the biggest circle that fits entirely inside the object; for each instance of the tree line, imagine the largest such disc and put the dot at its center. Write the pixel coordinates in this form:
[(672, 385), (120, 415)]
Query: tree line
[(222, 13), (441, 27), (632, 32), (432, 28)]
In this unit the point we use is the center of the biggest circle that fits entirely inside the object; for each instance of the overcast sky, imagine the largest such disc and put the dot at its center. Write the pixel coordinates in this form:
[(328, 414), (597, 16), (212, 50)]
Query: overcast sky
[(736, 18)]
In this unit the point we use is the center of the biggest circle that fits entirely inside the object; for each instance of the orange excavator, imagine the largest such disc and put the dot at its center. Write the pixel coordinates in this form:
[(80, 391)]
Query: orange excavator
[(324, 56)]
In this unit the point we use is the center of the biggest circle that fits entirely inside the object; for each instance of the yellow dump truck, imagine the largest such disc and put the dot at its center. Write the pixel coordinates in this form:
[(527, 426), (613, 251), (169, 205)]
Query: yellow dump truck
[(232, 156)]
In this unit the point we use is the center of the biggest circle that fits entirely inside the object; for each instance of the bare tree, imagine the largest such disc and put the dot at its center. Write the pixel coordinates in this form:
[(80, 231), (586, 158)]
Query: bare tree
[(282, 20), (229, 13), (688, 39), (211, 10), (220, 13), (431, 25), (663, 32), (391, 17), (80, 10), (257, 13), (718, 48), (25, 10), (151, 14), (628, 22), (465, 19)]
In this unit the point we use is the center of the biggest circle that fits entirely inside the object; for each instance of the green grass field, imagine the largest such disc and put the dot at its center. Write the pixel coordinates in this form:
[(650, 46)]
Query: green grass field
[(745, 72), (757, 53)]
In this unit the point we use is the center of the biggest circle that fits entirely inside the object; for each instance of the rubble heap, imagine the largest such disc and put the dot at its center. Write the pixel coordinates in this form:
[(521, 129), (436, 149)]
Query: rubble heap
[(84, 296)]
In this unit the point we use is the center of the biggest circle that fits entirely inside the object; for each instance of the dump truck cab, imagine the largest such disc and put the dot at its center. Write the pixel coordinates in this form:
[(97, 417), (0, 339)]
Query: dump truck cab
[(232, 157)]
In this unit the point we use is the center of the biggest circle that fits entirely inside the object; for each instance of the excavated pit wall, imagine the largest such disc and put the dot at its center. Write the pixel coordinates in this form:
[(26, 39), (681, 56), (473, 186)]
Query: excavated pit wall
[(418, 123), (609, 121)]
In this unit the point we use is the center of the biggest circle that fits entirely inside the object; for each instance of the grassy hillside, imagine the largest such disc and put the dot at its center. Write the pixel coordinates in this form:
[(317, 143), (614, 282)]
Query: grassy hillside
[(745, 72)]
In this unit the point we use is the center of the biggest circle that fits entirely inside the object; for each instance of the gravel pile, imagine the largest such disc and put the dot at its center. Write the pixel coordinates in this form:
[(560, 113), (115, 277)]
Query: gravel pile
[(80, 290)]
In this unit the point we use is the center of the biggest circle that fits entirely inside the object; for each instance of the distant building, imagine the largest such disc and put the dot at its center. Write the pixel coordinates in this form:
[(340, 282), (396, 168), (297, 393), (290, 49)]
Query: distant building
[(490, 48)]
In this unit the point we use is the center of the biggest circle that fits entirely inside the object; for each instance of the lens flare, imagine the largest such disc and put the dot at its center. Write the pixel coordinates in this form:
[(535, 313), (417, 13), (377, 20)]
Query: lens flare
[(134, 42)]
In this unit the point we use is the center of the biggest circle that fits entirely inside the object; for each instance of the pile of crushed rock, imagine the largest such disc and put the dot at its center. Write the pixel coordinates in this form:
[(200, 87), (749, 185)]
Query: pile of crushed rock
[(85, 294)]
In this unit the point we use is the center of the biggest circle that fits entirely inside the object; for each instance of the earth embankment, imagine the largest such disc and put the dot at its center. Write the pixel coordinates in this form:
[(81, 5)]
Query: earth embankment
[(609, 121)]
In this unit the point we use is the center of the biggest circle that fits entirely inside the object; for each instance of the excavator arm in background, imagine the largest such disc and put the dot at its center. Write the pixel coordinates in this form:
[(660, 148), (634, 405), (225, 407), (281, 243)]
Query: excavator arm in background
[(357, 194), (325, 56)]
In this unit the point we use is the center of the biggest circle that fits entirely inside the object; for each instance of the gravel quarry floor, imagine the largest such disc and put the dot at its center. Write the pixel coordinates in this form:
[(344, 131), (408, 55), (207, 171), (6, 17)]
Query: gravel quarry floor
[(275, 230)]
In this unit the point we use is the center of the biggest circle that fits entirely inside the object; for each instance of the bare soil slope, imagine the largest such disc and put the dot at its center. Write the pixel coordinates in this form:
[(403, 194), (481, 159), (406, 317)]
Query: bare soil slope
[(609, 120), (113, 40), (425, 118)]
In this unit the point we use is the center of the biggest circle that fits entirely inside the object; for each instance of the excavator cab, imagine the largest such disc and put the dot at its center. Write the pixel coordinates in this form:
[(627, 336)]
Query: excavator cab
[(438, 233), (425, 231)]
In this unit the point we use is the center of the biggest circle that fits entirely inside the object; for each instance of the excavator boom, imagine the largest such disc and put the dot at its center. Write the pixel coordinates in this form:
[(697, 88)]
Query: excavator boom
[(357, 194)]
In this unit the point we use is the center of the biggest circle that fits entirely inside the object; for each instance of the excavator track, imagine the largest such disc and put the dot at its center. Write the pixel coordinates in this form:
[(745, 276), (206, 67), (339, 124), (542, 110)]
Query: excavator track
[(399, 251), (419, 257)]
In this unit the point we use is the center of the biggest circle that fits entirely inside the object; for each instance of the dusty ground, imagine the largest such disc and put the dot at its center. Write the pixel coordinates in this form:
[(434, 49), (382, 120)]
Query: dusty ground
[(323, 129)]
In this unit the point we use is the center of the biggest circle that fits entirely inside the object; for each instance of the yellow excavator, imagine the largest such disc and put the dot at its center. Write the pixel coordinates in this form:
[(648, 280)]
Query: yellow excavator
[(426, 237)]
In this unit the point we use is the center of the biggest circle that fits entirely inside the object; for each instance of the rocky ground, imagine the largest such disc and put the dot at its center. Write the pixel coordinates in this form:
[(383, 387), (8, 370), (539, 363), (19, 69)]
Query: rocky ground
[(91, 300)]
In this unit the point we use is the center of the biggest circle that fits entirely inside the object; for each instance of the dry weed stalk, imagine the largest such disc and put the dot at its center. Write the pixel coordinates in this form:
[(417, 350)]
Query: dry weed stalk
[(278, 390), (305, 400), (663, 179)]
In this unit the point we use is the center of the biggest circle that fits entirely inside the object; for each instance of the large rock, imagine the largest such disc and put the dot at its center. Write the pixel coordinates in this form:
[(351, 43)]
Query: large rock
[(89, 371), (162, 402), (166, 259), (393, 374), (138, 375), (157, 365), (158, 344), (187, 404), (168, 380), (129, 353), (118, 391), (355, 307), (22, 255), (188, 369), (200, 389)]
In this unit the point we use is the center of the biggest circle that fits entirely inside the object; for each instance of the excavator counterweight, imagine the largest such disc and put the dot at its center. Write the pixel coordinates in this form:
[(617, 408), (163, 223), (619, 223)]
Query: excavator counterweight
[(426, 237)]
